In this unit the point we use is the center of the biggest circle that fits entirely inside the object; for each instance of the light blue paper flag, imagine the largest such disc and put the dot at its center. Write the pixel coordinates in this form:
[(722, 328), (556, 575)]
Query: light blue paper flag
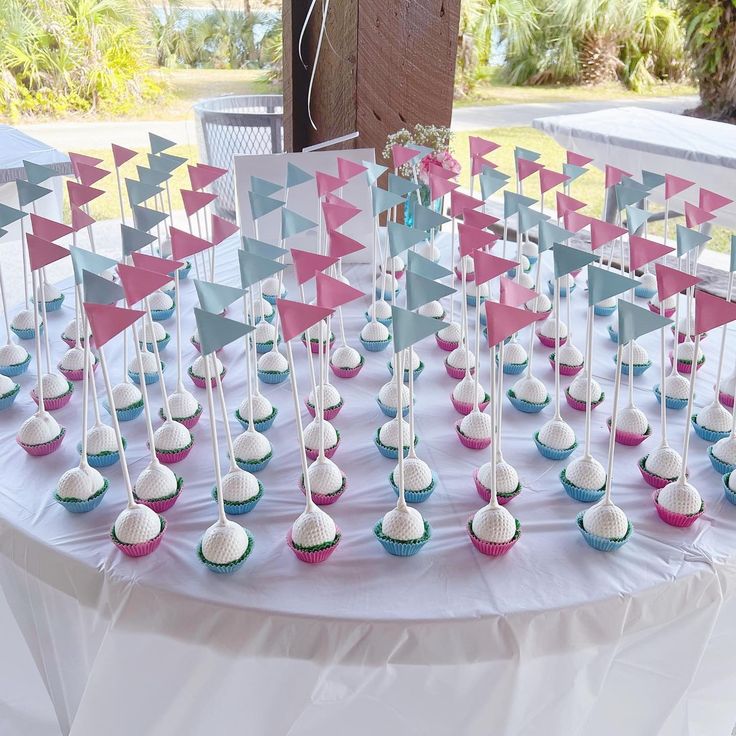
[(636, 321), (688, 240), (99, 290), (520, 152), (139, 192), (28, 192), (373, 171), (134, 240), (573, 171), (263, 186), (635, 218), (86, 260), (529, 218), (384, 200), (651, 179), (569, 259), (292, 223), (629, 193), (426, 218), (255, 268), (512, 201), (422, 151), (145, 218), (261, 205), (603, 284), (549, 234), (165, 162), (401, 237), (399, 185), (264, 250), (424, 267), (9, 215), (410, 328), (733, 254), (158, 143), (491, 180), (152, 177), (420, 291), (37, 173), (216, 298), (296, 176), (215, 332)]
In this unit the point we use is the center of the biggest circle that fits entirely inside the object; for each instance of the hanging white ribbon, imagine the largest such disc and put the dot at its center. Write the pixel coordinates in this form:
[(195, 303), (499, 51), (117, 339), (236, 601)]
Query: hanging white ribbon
[(310, 11)]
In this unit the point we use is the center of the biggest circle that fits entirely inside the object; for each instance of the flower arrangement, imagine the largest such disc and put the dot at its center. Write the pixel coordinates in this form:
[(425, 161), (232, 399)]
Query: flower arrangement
[(436, 137)]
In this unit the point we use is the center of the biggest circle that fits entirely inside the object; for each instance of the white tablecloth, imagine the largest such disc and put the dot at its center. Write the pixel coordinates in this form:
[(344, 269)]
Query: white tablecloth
[(553, 638)]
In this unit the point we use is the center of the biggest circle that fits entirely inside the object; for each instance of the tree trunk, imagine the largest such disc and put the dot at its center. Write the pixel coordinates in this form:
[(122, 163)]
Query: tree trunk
[(599, 60)]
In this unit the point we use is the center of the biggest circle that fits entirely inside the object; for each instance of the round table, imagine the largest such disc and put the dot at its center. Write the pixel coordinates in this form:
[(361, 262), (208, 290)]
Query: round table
[(553, 638)]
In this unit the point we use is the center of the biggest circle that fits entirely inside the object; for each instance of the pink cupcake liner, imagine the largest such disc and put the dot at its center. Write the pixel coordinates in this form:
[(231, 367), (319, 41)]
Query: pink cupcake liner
[(674, 519), (77, 375), (485, 493), (684, 366), (329, 451), (470, 442), (46, 448), (580, 405), (188, 422), (655, 481), (726, 399), (490, 548), (330, 412), (667, 312), (171, 458), (549, 342), (201, 381), (463, 408), (397, 274), (629, 438), (446, 345), (325, 499), (143, 548), (346, 372), (468, 276), (566, 370), (456, 373), (314, 345), (316, 556), (53, 404)]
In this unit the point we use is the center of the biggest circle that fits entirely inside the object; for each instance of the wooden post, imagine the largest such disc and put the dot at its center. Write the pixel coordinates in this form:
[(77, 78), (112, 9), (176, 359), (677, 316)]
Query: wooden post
[(389, 64)]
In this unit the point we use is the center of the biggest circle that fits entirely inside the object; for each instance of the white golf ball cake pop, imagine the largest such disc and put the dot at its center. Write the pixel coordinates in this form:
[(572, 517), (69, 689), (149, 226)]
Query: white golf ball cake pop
[(101, 440), (155, 482), (148, 335), (648, 282), (676, 386), (312, 434), (262, 309), (570, 355), (325, 478), (465, 392), (547, 330), (507, 479), (197, 368), (415, 362), (586, 472), (346, 358), (531, 390), (680, 497), (270, 288), (514, 354), (557, 435), (635, 354), (172, 437), (417, 475), (664, 462), (451, 333), (38, 429), (72, 360), (732, 481), (388, 434), (403, 524), (669, 303), (392, 265), (24, 321), (387, 285), (239, 486), (69, 333), (329, 393), (374, 332), (715, 417), (606, 520), (494, 524), (612, 301), (273, 362), (149, 363), (79, 484), (433, 309), (578, 389), (313, 529), (725, 450), (6, 385), (631, 419), (224, 544), (50, 292), (54, 386), (476, 425), (126, 396), (686, 352), (541, 304), (460, 361), (160, 301), (382, 309), (389, 396), (251, 447), (265, 333), (137, 525), (183, 406), (262, 408), (12, 354)]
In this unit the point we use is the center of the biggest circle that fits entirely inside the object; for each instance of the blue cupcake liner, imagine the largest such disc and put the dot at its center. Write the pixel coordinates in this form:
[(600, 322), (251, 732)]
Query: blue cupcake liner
[(584, 495), (28, 334), (161, 315), (603, 311), (613, 334), (105, 459), (231, 567), (391, 411), (15, 370), (269, 318), (727, 492), (385, 322), (392, 453), (254, 467), (125, 414), (387, 296), (526, 406), (710, 435), (639, 368), (53, 305), (6, 401), (162, 343), (550, 453), (644, 293), (470, 299), (265, 347), (417, 371), (532, 259), (82, 507), (171, 291), (260, 425), (563, 289), (671, 402), (271, 298), (149, 378), (513, 369), (601, 543), (402, 549), (273, 377), (718, 465), (184, 270), (376, 346), (415, 496), (236, 509)]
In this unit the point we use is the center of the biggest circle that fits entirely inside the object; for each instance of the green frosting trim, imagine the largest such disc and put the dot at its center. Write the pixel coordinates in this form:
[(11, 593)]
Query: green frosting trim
[(71, 499), (177, 491), (12, 392), (319, 547), (513, 539), (378, 531), (173, 452), (227, 565), (388, 447), (115, 539), (257, 497)]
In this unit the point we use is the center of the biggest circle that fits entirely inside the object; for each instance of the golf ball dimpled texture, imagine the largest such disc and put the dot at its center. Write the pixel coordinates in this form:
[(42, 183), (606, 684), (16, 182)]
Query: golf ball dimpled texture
[(606, 520), (183, 405), (557, 434), (476, 425), (101, 438), (715, 417), (224, 543), (312, 434), (38, 429), (507, 479), (388, 435), (324, 476), (239, 486), (313, 528), (680, 498), (388, 395), (137, 524), (171, 436), (346, 357), (530, 389), (633, 420), (251, 446), (465, 391), (725, 450), (403, 525), (494, 524), (273, 362), (665, 462), (374, 332), (451, 333), (586, 472), (579, 386), (155, 481), (417, 475), (514, 353)]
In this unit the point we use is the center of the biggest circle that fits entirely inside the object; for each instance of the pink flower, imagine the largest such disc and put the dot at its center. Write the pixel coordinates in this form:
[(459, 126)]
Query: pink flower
[(443, 159)]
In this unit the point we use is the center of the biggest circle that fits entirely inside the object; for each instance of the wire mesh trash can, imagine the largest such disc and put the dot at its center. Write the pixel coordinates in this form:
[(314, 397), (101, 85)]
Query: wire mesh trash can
[(234, 124)]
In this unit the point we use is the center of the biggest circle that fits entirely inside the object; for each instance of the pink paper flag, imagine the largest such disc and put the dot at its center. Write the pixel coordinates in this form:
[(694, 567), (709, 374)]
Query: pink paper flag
[(138, 283), (203, 175), (337, 215), (675, 184), (347, 169), (643, 251), (437, 170), (602, 232), (481, 146), (474, 218), (549, 179), (472, 238), (439, 186), (695, 216), (460, 202), (120, 155), (327, 183), (80, 219), (503, 321), (333, 293), (712, 200), (79, 194), (90, 175), (614, 175), (42, 252), (340, 245), (526, 168), (82, 158), (221, 229), (712, 311), (296, 317), (306, 264), (106, 321), (575, 222), (671, 281), (154, 263), (478, 163), (513, 294), (566, 203), (577, 159), (401, 155), (332, 198), (195, 200), (49, 229), (487, 266), (185, 244)]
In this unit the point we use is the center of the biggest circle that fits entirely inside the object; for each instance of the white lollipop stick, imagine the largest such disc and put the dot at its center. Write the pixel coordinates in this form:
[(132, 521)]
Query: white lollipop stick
[(233, 466), (557, 416), (612, 438), (37, 341), (159, 368), (221, 518), (144, 394), (5, 309), (249, 378), (688, 416), (177, 332), (662, 379), (47, 345), (398, 371), (722, 354), (476, 379), (493, 502), (588, 380)]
